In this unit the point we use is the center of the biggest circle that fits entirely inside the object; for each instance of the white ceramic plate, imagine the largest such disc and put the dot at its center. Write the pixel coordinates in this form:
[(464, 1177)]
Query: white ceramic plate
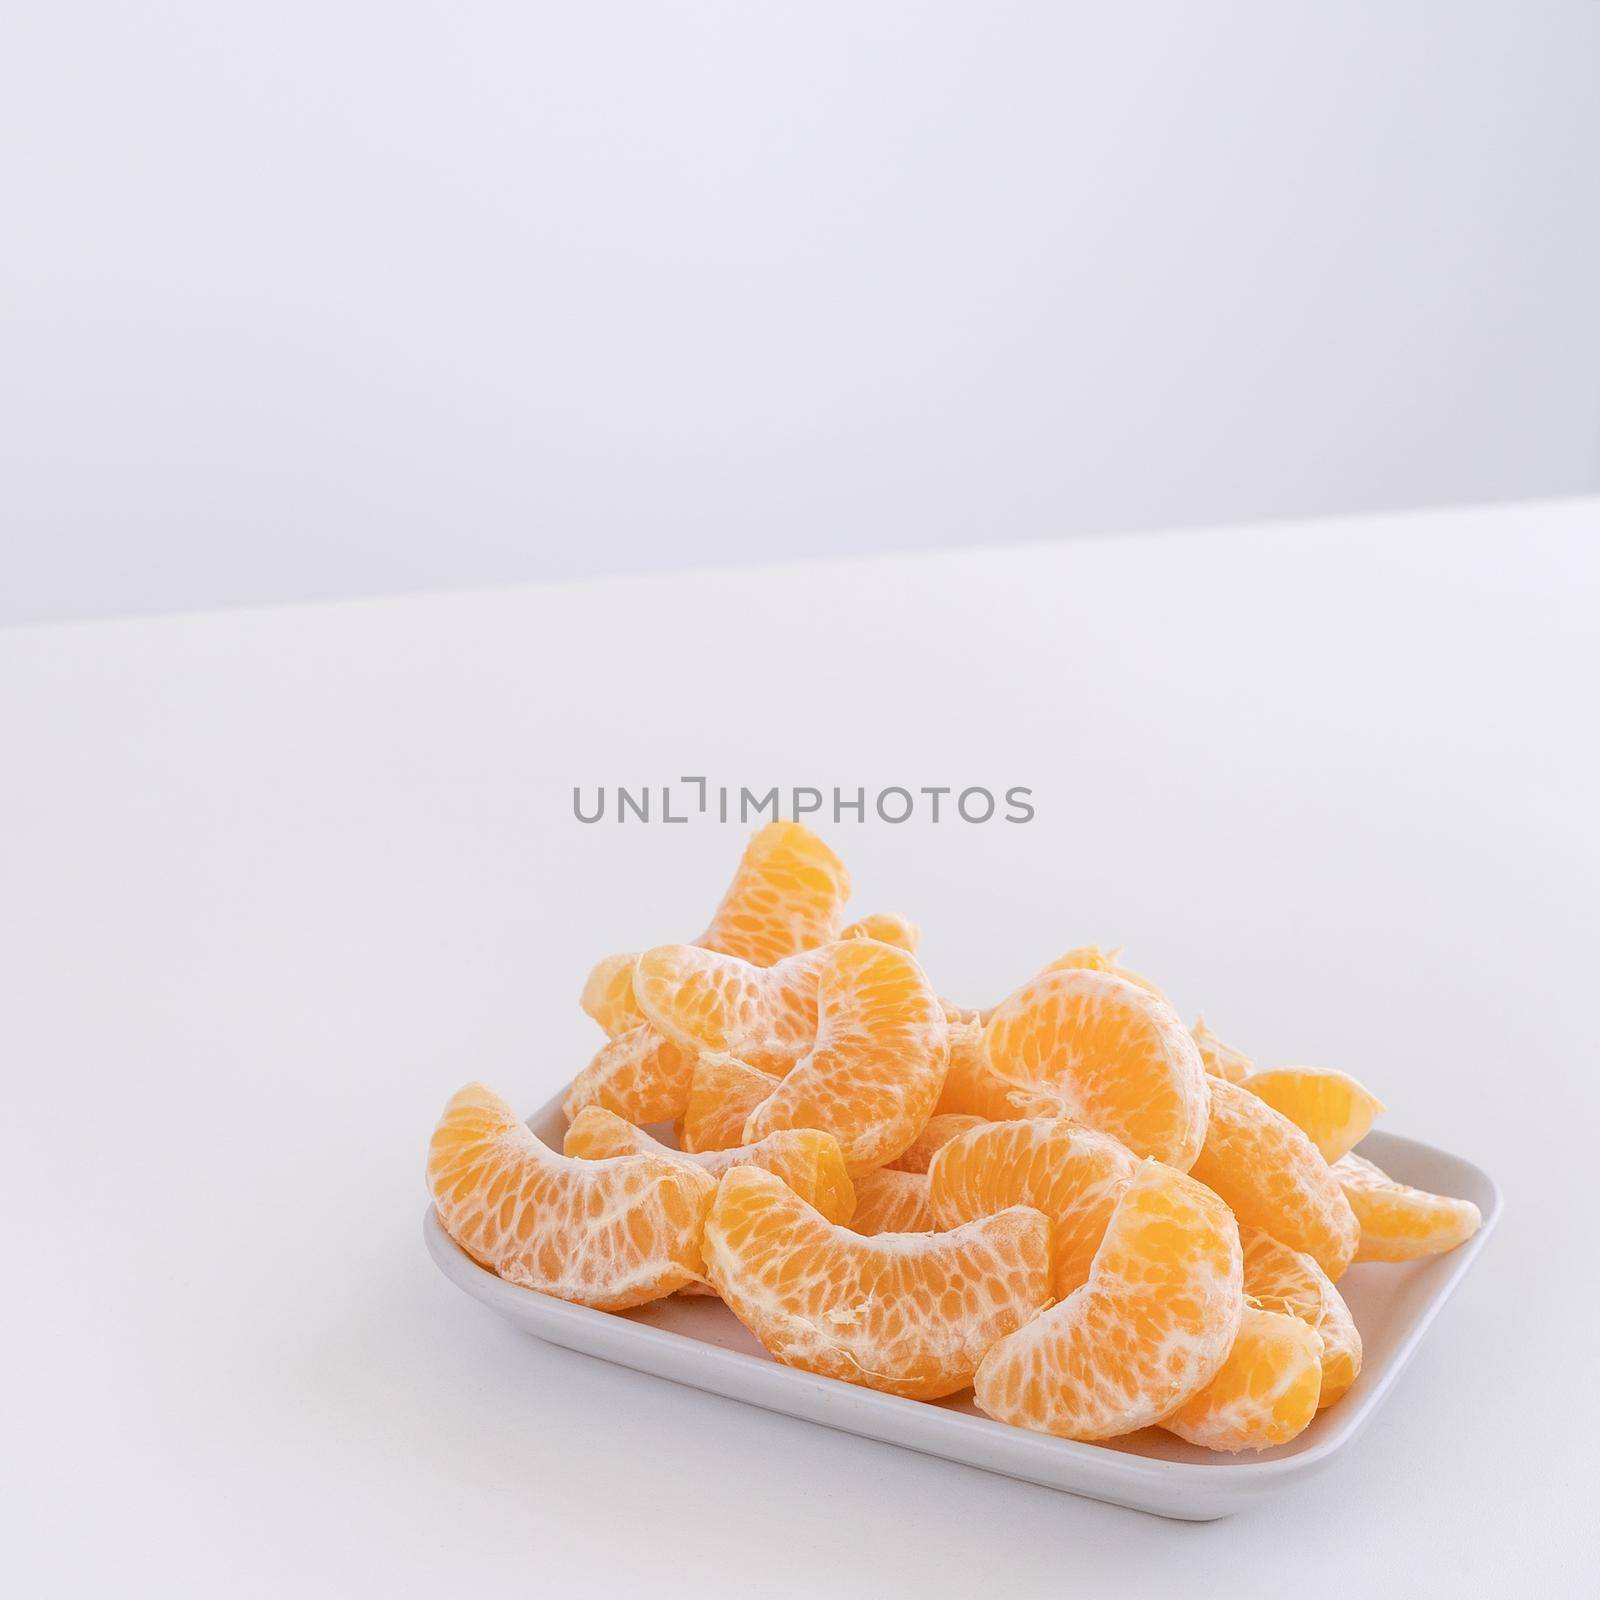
[(696, 1340)]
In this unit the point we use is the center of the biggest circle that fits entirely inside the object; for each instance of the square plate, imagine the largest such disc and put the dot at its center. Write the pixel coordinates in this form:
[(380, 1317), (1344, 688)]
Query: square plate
[(697, 1341)]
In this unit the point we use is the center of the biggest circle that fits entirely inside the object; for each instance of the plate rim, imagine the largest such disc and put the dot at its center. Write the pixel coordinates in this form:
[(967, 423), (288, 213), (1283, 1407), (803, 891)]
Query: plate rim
[(1223, 1472)]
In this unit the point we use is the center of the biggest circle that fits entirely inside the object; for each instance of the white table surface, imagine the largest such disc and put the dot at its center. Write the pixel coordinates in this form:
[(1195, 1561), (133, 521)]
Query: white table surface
[(275, 883)]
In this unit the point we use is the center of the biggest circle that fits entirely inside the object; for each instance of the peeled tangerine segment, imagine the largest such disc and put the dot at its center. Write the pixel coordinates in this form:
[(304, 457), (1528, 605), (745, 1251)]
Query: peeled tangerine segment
[(874, 1073), (1072, 1174), (1219, 1059), (887, 928), (971, 1087), (608, 994), (891, 1201), (1266, 1391), (1277, 1278), (911, 1314), (1151, 1327), (1093, 959), (722, 1093), (855, 1026), (807, 1160), (703, 1001), (609, 1234), (936, 1133), (788, 895), (1116, 1055), (1399, 1223), (1275, 1179), (1330, 1108), (640, 1075)]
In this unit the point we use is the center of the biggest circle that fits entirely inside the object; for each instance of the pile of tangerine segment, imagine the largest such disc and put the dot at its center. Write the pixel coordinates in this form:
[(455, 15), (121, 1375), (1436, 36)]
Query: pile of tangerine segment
[(1097, 1218)]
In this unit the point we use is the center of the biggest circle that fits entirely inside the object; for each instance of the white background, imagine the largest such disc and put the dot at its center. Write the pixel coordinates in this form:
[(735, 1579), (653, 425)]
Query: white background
[(308, 299), (277, 882)]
